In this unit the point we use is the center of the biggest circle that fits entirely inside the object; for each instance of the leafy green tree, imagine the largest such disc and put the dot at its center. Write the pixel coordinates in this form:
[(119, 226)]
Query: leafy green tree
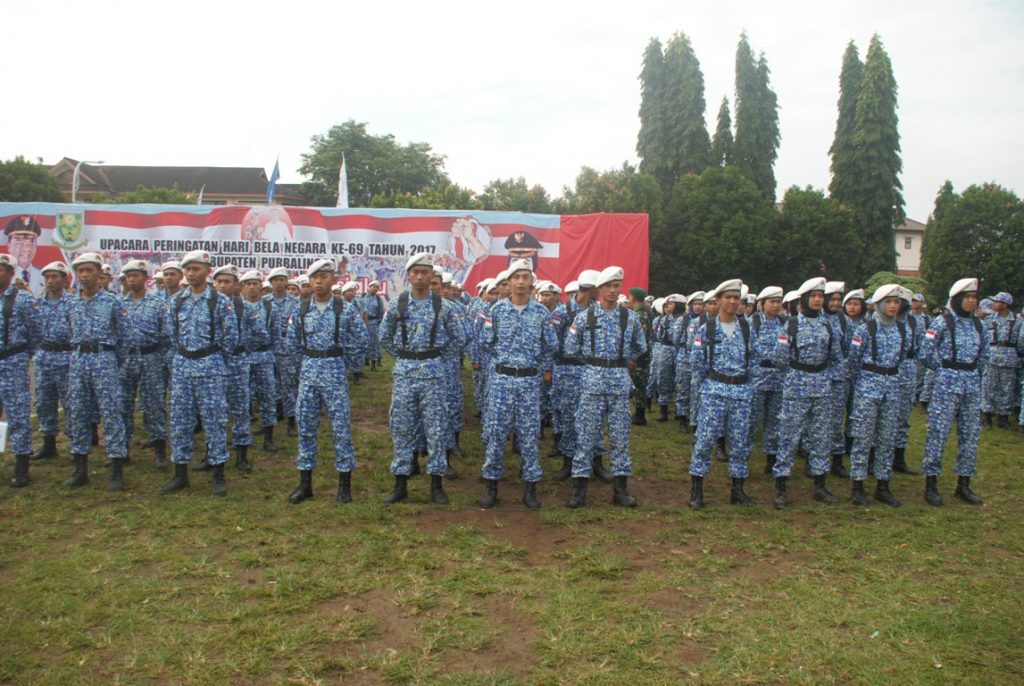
[(817, 236), (652, 142), (757, 120), (142, 195), (615, 190), (722, 142), (515, 195), (22, 181), (881, 278), (448, 196), (978, 233), (842, 150), (375, 164)]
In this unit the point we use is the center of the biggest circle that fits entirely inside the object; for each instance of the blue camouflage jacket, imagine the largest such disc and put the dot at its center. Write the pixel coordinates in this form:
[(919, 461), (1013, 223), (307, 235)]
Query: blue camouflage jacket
[(55, 329), (732, 358), (520, 339), (23, 327), (606, 342), (418, 320), (814, 347), (971, 349), (872, 356), (321, 330), (188, 326)]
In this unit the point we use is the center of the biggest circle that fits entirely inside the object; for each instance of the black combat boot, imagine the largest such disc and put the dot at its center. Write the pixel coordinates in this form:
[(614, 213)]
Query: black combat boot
[(769, 464), (600, 472), (620, 492), (81, 474), (399, 492), (565, 472), (280, 412), (684, 425), (696, 492), (48, 450), (292, 431), (986, 419), (268, 440), (416, 471), (160, 453), (178, 482), (1002, 421), (449, 471), (931, 491), (530, 496), (490, 496), (242, 459), (857, 494), (821, 493), (837, 467), (662, 413), (344, 488), (437, 493), (304, 491), (899, 462), (204, 465), (220, 486), (737, 496), (116, 482), (884, 495), (640, 415), (579, 492), (780, 500), (964, 492), (20, 479)]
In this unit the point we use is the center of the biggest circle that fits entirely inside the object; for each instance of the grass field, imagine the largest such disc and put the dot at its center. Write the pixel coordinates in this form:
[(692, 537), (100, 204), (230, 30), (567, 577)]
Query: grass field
[(135, 588)]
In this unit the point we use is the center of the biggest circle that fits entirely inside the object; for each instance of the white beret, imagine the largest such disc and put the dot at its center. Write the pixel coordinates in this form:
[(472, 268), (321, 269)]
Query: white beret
[(276, 272), (349, 286), (58, 267), (226, 270), (609, 274), (588, 278), (502, 276), (769, 292), (657, 305), (420, 259), (964, 286), (170, 264), (196, 257), (209, 279), (135, 266), (251, 275), (676, 298), (484, 285), (549, 287), (446, 277), (322, 265), (905, 293), (857, 293), (790, 297), (622, 298), (375, 282), (303, 280), (730, 285), (572, 287), (266, 283), (107, 269), (336, 288), (8, 261), (744, 291), (649, 299), (711, 295), (834, 287), (84, 258), (519, 266), (889, 290), (293, 282), (438, 269), (491, 286), (158, 276), (815, 284), (696, 295), (750, 299)]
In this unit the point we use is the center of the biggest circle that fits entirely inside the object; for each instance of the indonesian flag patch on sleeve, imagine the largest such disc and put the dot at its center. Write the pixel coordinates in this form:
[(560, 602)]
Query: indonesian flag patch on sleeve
[(930, 333), (783, 338), (696, 341), (487, 321), (572, 329), (855, 341)]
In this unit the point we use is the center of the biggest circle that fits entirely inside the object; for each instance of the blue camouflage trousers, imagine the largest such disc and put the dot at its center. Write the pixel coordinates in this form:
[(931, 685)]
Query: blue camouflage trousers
[(417, 402), (1000, 390), (945, 408), (666, 375), (51, 388), (592, 411), (455, 399), (873, 424), (332, 394), (287, 382), (373, 349), (144, 375), (721, 416), (810, 419), (683, 376), (263, 388), (16, 403), (694, 398), (765, 407), (239, 400), (929, 385), (513, 404), (567, 378), (908, 381), (837, 412), (202, 396), (93, 383)]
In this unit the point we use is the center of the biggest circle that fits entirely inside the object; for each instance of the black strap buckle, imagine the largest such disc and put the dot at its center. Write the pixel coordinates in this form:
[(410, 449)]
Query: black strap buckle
[(884, 371), (724, 378), (197, 354), (323, 354)]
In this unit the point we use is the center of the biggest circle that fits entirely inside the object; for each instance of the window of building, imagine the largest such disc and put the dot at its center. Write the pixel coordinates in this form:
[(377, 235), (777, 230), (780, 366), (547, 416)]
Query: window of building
[(907, 242)]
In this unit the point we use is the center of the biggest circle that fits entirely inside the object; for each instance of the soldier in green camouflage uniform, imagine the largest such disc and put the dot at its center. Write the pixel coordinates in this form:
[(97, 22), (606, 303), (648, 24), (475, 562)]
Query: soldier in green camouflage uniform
[(643, 364)]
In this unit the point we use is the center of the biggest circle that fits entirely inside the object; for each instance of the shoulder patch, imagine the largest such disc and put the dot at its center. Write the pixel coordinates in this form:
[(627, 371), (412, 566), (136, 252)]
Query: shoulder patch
[(855, 341), (930, 333), (783, 338), (696, 341)]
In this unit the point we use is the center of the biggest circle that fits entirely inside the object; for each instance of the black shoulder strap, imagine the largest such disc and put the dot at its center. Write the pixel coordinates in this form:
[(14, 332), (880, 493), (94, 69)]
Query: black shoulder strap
[(623, 321), (791, 329), (239, 311), (303, 309), (591, 324), (177, 308), (8, 313), (213, 309), (903, 337), (912, 322), (709, 343), (842, 323), (757, 323), (338, 304), (267, 306), (745, 328), (873, 331), (436, 300), (403, 305), (951, 325)]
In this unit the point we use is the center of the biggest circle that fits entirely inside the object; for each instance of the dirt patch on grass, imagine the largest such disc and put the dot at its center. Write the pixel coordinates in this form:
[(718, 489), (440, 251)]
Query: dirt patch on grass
[(511, 647), (370, 417)]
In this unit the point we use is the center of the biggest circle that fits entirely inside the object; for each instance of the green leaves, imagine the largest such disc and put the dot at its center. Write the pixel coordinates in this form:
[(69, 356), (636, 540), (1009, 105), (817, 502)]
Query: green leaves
[(22, 181)]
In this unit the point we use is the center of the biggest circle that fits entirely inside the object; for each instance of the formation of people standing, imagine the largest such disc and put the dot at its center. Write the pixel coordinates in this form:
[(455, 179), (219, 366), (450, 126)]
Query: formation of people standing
[(820, 371)]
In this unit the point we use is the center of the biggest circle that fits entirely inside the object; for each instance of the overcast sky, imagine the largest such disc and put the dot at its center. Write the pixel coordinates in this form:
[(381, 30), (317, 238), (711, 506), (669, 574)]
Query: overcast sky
[(534, 89)]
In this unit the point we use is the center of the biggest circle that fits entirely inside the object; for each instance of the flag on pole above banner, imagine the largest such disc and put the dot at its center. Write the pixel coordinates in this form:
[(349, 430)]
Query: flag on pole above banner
[(272, 186), (343, 184)]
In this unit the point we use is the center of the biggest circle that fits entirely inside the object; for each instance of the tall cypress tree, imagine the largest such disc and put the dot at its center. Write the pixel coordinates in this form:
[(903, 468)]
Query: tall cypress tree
[(842, 150), (757, 120), (651, 141), (875, 164), (721, 143), (688, 140)]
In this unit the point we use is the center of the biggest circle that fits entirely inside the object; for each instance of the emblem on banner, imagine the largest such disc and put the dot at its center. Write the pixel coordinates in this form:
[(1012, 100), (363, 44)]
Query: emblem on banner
[(70, 227)]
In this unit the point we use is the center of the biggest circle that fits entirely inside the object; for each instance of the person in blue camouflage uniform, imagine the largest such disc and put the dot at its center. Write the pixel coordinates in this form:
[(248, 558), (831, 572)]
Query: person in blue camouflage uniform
[(918, 312), (641, 374), (373, 306), (99, 335), (1006, 343), (330, 336), (832, 314), (53, 358), (441, 284), (476, 353), (806, 391), (283, 305), (350, 295), (203, 331), (19, 336), (142, 370), (548, 294), (260, 352), (854, 309), (878, 349), (522, 341), (608, 337), (710, 309), (173, 276), (721, 361), (956, 347), (766, 378), (681, 341), (907, 381), (663, 361), (417, 328)]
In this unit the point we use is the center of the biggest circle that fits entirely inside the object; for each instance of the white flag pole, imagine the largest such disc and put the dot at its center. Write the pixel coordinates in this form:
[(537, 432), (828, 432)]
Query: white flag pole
[(343, 184)]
